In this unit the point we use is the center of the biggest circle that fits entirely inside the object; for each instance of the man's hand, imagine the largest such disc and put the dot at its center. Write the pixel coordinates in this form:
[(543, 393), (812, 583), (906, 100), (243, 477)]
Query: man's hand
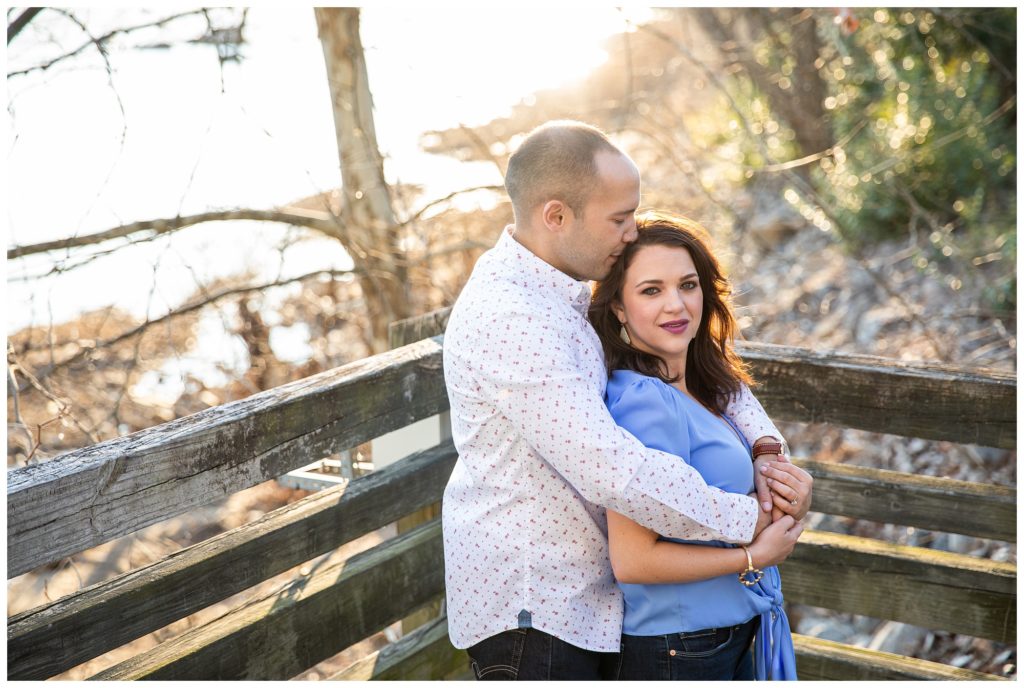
[(764, 496), (790, 487), (764, 493)]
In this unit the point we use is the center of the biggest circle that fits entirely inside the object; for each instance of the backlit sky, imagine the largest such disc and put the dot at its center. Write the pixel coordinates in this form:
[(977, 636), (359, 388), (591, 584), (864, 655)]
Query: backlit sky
[(266, 140)]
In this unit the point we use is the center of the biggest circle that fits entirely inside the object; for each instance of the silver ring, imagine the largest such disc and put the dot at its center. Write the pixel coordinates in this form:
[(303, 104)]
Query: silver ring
[(792, 502)]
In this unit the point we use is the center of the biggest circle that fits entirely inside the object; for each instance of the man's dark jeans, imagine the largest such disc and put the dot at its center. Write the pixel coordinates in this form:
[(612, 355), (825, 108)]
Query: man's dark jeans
[(526, 654), (714, 654)]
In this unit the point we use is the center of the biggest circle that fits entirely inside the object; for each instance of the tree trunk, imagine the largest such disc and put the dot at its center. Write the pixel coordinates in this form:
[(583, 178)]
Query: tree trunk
[(801, 106), (371, 237)]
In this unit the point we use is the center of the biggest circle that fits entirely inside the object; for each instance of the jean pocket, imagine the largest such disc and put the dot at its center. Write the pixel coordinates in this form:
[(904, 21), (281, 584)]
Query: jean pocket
[(705, 643), (498, 657), (495, 672)]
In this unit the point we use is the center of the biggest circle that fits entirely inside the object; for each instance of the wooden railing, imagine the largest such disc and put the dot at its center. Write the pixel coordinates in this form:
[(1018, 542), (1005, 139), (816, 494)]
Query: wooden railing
[(93, 495)]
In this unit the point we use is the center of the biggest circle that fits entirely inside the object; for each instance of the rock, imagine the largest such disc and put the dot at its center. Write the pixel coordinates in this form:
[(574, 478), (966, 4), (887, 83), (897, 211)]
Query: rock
[(835, 629), (916, 445), (1003, 553), (898, 638), (876, 319), (773, 221)]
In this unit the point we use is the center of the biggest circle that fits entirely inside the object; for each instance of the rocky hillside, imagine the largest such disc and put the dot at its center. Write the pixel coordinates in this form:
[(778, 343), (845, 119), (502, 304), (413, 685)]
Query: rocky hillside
[(796, 286)]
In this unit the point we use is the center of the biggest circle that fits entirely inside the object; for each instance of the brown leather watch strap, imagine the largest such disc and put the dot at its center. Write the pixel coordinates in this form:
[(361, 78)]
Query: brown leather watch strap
[(766, 448)]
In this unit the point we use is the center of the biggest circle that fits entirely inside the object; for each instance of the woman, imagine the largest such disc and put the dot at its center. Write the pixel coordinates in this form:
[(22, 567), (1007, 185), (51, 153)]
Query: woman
[(692, 609)]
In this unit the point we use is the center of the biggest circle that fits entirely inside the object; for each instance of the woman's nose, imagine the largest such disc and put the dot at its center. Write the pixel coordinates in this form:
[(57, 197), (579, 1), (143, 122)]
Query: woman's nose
[(674, 302)]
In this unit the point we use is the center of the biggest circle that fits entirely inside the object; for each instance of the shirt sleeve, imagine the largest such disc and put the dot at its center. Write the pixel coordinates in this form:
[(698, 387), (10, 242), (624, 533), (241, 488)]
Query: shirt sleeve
[(532, 377), (749, 416)]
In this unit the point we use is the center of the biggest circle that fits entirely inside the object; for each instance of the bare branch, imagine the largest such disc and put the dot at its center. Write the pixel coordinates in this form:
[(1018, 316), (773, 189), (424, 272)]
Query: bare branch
[(234, 291), (480, 145), (958, 23), (62, 266), (814, 157), (63, 408), (223, 294), (102, 50), (12, 391), (102, 39), (948, 138), (325, 222), (419, 213), (15, 27), (670, 151), (320, 221)]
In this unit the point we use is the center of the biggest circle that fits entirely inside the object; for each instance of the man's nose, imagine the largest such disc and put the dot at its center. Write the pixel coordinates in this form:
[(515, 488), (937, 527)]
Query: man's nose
[(631, 233)]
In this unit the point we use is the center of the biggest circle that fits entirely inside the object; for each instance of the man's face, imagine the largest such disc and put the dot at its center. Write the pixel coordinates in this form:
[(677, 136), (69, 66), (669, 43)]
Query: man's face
[(607, 222)]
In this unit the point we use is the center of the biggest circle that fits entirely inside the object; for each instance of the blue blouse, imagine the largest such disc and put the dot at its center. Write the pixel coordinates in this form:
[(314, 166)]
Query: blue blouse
[(665, 418)]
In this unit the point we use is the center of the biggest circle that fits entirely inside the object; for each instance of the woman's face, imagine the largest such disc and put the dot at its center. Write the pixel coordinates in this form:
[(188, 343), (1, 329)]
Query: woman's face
[(662, 303)]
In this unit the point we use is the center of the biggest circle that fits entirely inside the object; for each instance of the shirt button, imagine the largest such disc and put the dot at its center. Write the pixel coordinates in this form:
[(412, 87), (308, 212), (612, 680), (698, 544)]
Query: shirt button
[(672, 653)]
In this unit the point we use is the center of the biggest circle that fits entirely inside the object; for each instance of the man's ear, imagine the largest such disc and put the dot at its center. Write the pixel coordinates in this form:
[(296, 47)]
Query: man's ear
[(556, 215)]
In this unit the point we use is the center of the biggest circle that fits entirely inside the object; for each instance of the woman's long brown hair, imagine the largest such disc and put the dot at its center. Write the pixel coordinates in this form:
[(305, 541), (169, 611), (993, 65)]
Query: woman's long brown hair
[(713, 370)]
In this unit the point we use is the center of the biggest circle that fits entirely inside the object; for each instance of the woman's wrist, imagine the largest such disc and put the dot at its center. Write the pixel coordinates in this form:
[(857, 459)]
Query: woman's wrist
[(741, 560), (755, 557), (769, 446), (751, 574)]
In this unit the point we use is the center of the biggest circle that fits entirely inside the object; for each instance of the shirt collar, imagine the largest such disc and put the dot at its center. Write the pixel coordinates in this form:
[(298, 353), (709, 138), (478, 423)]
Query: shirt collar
[(541, 275)]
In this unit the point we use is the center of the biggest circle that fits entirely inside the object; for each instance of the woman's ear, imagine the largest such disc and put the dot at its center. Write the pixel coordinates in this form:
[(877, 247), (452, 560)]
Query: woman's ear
[(556, 215), (619, 311)]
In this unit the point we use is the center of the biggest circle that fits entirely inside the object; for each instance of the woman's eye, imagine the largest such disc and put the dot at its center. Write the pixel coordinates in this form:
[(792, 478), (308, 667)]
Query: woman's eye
[(650, 291), (689, 285)]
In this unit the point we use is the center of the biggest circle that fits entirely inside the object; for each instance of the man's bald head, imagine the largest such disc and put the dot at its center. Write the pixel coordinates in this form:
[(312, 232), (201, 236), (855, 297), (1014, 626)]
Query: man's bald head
[(555, 161)]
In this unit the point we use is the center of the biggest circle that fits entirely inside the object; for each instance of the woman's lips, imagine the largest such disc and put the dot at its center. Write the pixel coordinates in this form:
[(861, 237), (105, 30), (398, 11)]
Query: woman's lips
[(675, 326)]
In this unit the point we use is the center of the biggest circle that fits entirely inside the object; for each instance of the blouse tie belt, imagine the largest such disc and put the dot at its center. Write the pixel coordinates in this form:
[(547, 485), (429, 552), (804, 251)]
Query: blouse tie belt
[(774, 657)]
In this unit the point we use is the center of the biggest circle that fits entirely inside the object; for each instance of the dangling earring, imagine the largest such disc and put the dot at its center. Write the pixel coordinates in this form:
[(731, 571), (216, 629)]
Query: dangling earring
[(624, 336)]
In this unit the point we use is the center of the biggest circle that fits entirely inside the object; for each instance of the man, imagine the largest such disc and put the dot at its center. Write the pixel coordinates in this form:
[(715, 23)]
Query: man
[(529, 584)]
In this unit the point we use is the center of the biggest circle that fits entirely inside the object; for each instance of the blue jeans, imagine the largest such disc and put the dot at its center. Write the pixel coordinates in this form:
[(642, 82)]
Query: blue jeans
[(712, 654), (526, 654)]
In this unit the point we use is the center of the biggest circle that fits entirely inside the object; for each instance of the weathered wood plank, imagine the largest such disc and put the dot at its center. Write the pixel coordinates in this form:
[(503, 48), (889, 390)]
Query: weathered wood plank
[(942, 504), (47, 640), (930, 401), (409, 330), (280, 635), (423, 655), (92, 495), (824, 660), (927, 400), (923, 587)]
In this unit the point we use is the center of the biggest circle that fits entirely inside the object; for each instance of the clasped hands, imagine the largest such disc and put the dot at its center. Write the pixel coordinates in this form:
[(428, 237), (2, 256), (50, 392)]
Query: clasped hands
[(782, 487), (783, 493)]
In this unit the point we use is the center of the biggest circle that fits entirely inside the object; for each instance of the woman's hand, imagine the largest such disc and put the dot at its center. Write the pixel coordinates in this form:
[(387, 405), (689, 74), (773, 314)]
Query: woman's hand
[(790, 488), (775, 542)]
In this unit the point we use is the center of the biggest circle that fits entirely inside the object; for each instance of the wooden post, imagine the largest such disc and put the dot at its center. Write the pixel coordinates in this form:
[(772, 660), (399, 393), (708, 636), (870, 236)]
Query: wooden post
[(400, 334)]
